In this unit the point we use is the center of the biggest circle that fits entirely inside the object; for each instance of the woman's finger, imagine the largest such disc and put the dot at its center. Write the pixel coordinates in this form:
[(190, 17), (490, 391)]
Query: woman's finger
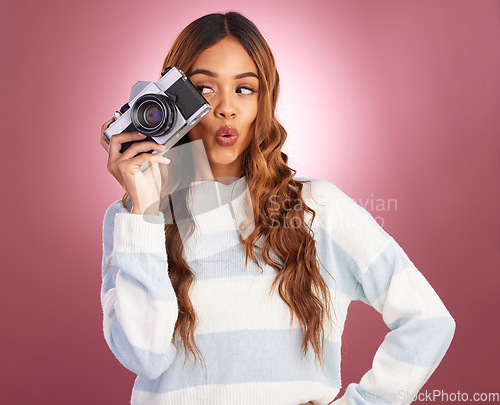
[(139, 147), (139, 163), (146, 160), (115, 144)]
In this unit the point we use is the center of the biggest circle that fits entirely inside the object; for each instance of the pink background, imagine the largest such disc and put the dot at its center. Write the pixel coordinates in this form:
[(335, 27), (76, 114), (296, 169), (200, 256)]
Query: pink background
[(387, 99)]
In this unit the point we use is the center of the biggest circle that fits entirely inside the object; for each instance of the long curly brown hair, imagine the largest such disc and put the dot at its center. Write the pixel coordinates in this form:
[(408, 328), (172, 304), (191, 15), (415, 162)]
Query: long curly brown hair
[(269, 179)]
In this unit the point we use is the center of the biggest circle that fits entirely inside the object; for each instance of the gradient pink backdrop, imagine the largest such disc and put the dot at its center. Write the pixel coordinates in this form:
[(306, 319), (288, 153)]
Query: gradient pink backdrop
[(387, 99)]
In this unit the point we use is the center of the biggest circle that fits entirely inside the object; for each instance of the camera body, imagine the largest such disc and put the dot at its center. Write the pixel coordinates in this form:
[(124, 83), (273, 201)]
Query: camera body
[(164, 111)]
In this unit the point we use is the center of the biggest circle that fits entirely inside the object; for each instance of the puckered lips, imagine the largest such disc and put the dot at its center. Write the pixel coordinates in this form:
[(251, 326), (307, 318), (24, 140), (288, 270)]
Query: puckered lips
[(226, 136)]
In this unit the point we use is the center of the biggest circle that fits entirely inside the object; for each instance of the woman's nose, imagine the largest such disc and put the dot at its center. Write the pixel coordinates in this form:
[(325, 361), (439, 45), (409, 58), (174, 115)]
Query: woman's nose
[(225, 107)]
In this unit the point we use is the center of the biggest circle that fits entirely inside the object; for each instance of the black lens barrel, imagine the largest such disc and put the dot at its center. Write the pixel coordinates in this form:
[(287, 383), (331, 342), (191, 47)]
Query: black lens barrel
[(153, 114)]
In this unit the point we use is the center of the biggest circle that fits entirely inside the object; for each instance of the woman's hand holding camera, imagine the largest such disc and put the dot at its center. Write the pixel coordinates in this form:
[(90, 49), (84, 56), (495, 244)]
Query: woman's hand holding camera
[(143, 188)]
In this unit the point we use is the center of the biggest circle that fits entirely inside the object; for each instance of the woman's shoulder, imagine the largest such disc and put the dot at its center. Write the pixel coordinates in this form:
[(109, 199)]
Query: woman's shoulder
[(335, 209), (323, 193)]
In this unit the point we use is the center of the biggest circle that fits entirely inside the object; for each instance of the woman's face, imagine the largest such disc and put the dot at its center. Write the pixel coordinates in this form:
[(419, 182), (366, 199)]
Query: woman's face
[(227, 77)]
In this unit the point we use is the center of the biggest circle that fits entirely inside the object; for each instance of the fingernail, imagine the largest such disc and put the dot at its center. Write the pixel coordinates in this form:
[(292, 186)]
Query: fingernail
[(166, 160), (142, 135)]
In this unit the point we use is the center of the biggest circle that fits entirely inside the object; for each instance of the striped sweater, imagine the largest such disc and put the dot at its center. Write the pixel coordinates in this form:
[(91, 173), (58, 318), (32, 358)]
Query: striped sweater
[(252, 354)]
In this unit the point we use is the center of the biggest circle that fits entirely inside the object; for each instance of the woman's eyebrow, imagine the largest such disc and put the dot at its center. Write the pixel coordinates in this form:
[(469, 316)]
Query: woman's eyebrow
[(215, 75), (246, 74)]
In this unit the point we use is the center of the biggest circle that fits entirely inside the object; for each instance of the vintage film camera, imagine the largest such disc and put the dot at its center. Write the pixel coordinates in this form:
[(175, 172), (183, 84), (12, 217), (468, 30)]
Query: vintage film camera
[(164, 111)]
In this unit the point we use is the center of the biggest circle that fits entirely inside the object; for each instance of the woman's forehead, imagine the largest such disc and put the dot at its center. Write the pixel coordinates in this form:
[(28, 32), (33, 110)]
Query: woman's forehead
[(227, 58)]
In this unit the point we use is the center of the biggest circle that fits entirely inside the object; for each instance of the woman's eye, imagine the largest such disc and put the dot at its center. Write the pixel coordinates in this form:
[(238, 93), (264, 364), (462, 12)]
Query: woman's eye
[(245, 90), (204, 89)]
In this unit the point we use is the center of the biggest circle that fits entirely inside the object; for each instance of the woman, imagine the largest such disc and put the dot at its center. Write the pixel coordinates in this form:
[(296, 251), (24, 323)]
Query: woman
[(183, 306)]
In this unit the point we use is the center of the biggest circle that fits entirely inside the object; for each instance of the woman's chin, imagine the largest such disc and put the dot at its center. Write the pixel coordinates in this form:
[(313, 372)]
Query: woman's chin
[(223, 158)]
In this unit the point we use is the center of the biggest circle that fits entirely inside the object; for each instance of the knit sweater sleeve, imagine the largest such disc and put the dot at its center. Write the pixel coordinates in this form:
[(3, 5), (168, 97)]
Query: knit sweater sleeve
[(138, 301), (382, 275)]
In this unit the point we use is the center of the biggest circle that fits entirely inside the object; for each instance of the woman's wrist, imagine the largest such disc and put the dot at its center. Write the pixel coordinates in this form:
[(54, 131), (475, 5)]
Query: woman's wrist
[(153, 209)]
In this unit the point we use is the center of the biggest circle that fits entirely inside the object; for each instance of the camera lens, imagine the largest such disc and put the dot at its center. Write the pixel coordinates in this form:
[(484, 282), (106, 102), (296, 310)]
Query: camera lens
[(153, 114)]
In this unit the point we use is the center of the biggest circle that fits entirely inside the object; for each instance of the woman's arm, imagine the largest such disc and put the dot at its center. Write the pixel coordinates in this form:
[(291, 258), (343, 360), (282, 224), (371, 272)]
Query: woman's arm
[(138, 301), (381, 275), (421, 329)]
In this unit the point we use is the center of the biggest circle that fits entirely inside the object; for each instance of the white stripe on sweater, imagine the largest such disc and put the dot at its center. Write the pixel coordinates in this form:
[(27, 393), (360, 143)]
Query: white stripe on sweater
[(410, 296), (405, 379), (269, 393), (150, 330), (238, 303)]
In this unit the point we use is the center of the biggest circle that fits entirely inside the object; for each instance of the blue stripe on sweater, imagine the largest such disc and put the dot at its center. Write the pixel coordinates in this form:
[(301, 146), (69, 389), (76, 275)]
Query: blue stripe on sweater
[(419, 342), (346, 273), (140, 361), (222, 264), (377, 279), (247, 356), (157, 291), (343, 270), (109, 278), (359, 396), (338, 263)]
